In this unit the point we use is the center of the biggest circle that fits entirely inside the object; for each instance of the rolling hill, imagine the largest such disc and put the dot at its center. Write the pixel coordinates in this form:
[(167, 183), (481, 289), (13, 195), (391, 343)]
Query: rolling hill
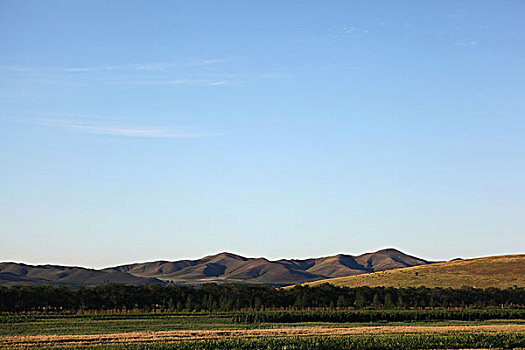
[(220, 268), (497, 271), (22, 274), (228, 267)]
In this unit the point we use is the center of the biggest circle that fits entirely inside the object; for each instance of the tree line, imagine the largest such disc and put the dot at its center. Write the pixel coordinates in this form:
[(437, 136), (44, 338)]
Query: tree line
[(229, 297)]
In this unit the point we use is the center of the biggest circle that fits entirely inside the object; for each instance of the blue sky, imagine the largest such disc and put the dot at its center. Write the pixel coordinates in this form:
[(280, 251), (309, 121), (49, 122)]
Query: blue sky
[(135, 131)]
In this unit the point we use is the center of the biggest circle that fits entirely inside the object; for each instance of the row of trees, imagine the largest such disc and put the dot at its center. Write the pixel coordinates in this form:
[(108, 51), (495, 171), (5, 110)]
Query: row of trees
[(227, 297)]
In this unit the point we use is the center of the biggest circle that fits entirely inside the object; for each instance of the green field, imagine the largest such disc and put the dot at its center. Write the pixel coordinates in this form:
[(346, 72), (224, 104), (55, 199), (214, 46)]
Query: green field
[(471, 341), (30, 325), (231, 331), (112, 323)]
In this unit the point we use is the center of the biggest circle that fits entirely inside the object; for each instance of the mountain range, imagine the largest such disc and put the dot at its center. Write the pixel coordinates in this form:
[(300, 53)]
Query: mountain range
[(502, 271), (219, 268), (22, 274)]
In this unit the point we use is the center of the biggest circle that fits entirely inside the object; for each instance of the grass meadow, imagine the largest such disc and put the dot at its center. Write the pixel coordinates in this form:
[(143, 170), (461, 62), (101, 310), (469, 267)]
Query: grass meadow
[(230, 331)]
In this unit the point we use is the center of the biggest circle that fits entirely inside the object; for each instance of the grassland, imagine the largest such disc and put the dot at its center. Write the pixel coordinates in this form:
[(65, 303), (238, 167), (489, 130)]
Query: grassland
[(498, 271), (85, 324), (462, 341), (219, 331), (180, 336)]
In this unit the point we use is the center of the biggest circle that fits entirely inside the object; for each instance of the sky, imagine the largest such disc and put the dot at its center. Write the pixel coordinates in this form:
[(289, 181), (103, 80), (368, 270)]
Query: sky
[(136, 131)]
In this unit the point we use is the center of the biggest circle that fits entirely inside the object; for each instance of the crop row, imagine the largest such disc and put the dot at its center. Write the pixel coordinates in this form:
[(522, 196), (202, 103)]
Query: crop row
[(38, 317), (471, 341), (336, 316), (377, 315)]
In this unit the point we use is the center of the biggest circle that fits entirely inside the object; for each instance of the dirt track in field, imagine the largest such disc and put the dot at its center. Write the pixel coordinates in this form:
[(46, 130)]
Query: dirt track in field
[(39, 341)]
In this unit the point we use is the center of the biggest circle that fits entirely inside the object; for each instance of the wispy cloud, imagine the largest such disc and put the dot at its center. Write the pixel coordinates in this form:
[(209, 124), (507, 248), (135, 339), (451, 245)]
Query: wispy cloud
[(18, 69), (213, 61), (102, 128), (126, 67), (194, 72), (349, 30), (466, 42), (132, 67), (198, 82), (148, 67)]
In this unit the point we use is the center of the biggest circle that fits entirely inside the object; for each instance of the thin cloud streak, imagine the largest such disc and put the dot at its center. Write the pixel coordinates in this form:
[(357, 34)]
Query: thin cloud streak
[(466, 42), (214, 61), (200, 82), (120, 130), (188, 72), (128, 67), (17, 69), (145, 67), (148, 67)]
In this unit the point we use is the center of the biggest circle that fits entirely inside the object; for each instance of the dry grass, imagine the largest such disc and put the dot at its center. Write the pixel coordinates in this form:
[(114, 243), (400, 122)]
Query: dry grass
[(173, 336), (498, 271)]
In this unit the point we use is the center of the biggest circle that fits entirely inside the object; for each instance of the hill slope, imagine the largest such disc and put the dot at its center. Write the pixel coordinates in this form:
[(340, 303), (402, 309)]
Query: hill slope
[(228, 267), (220, 268), (497, 271), (22, 274)]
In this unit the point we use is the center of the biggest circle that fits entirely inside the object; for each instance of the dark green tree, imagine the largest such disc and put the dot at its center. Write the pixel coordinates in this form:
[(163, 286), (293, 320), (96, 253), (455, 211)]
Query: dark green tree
[(341, 301), (359, 299), (389, 303), (376, 302), (190, 304)]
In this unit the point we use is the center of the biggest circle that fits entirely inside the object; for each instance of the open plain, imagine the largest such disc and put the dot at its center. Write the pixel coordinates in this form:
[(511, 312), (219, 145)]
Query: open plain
[(210, 331)]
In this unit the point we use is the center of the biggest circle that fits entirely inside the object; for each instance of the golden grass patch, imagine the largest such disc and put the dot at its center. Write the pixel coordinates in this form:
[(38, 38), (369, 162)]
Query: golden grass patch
[(174, 336), (498, 271)]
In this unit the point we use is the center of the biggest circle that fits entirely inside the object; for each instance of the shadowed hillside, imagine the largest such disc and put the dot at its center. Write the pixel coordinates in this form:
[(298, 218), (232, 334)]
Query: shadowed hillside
[(227, 267), (220, 268), (22, 274), (497, 271)]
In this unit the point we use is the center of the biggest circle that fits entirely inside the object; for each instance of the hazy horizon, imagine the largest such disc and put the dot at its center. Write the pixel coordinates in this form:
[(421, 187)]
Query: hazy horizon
[(134, 131)]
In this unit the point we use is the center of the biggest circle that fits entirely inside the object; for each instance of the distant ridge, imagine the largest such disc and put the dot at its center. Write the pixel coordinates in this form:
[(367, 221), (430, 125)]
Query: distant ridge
[(501, 271), (220, 268), (23, 274), (228, 267)]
